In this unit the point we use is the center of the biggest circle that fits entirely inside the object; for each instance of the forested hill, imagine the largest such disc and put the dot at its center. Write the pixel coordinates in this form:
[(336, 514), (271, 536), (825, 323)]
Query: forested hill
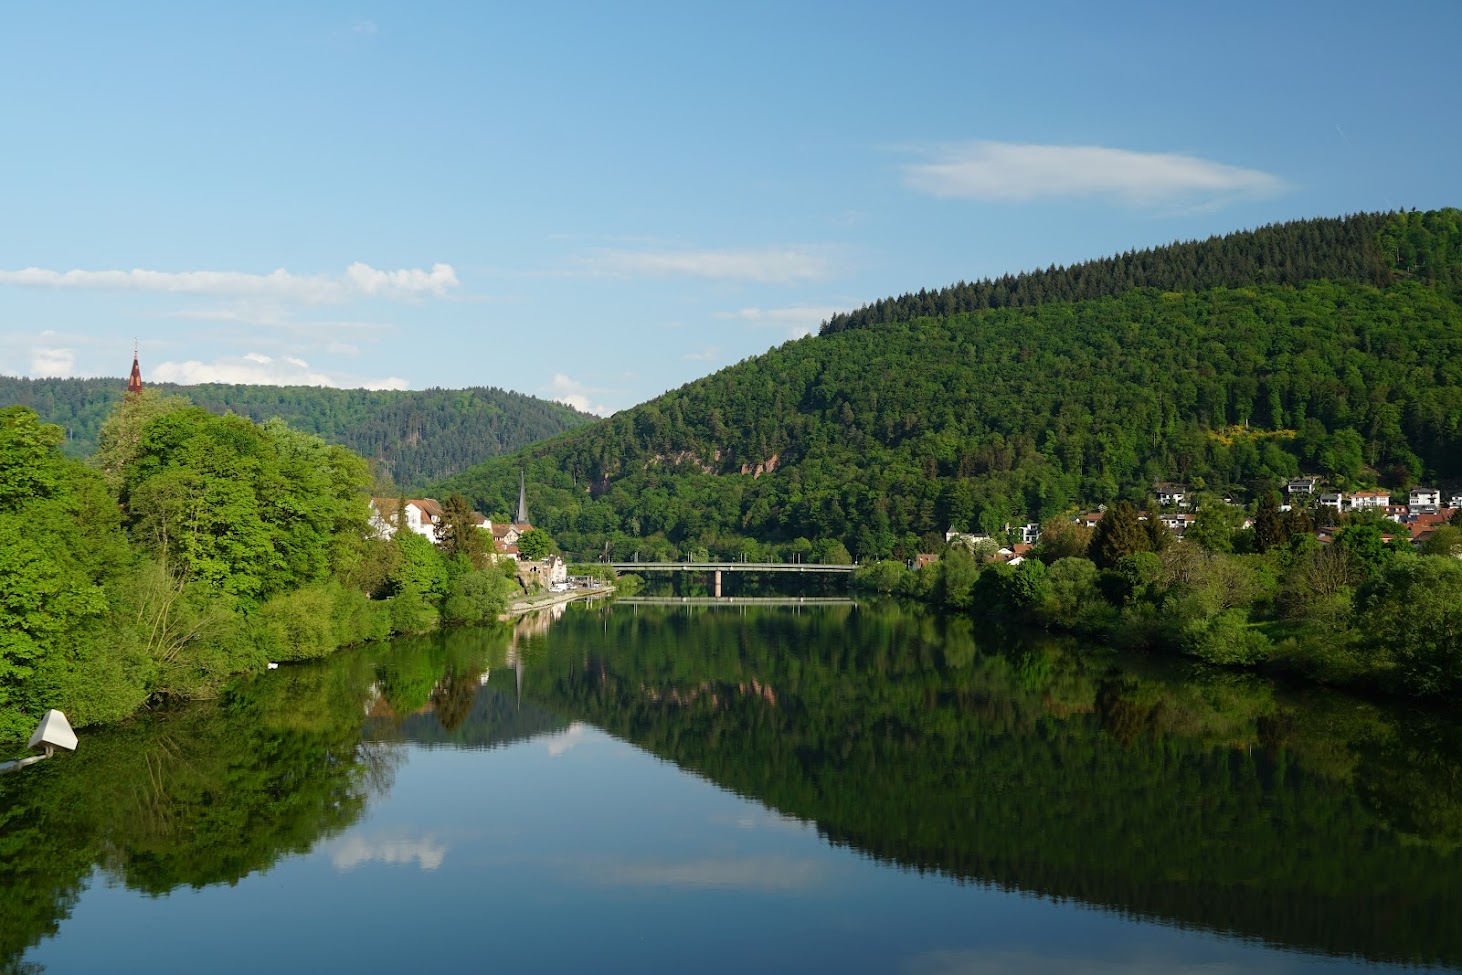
[(881, 437), (1369, 248), (419, 436)]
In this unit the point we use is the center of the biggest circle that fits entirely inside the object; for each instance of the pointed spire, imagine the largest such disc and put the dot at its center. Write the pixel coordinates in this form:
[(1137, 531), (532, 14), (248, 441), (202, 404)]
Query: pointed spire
[(522, 518), (134, 382)]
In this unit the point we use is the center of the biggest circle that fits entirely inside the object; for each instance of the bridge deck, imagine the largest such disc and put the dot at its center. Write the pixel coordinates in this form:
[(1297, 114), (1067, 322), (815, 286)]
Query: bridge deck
[(728, 567)]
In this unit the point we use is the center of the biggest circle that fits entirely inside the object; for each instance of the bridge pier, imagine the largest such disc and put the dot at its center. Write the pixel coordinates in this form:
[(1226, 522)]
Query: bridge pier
[(716, 589)]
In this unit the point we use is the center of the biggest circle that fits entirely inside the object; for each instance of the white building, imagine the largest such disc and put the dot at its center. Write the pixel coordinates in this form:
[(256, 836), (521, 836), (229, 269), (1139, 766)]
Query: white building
[(1171, 495), (1361, 500), (1423, 497), (1333, 499), (422, 516)]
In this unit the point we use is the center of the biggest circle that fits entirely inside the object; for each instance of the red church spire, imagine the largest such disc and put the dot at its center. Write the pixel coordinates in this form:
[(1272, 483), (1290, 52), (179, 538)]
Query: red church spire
[(134, 382)]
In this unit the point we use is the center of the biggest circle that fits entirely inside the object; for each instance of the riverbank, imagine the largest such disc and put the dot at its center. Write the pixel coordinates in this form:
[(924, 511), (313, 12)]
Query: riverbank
[(529, 604)]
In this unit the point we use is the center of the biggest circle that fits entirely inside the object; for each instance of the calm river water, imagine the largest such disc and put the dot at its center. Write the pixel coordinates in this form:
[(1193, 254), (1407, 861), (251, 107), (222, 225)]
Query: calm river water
[(668, 789)]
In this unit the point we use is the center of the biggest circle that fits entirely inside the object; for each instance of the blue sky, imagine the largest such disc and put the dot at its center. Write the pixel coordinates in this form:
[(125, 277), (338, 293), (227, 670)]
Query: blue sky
[(598, 202)]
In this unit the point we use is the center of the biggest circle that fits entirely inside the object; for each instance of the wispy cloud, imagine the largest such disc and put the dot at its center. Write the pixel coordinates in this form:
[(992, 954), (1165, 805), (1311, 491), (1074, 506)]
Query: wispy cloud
[(356, 282), (777, 265), (257, 369), (709, 354), (364, 27), (569, 391), (1014, 171), (797, 320)]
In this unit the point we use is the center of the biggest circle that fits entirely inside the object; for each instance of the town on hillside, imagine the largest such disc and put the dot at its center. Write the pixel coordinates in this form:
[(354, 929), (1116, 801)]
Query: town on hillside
[(1415, 521)]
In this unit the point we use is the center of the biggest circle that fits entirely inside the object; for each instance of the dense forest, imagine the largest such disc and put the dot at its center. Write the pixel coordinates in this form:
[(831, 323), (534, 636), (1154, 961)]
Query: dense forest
[(883, 438), (417, 437), (1369, 248)]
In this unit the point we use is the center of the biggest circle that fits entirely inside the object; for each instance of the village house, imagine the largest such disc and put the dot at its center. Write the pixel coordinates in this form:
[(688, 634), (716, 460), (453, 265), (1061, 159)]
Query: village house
[(1178, 522), (1332, 499), (422, 516), (1171, 495), (953, 537), (1302, 485), (1374, 498), (1425, 497)]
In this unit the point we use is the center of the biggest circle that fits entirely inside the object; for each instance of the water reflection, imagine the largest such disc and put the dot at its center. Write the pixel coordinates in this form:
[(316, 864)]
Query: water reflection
[(1196, 798)]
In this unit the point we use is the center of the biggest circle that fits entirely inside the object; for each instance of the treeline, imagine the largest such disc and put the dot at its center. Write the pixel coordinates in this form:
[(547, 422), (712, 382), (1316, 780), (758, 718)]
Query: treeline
[(1357, 610), (417, 437), (881, 439), (196, 546), (1369, 248)]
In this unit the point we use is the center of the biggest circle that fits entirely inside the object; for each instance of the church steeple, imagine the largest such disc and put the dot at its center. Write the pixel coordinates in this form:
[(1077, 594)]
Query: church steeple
[(134, 382), (522, 518)]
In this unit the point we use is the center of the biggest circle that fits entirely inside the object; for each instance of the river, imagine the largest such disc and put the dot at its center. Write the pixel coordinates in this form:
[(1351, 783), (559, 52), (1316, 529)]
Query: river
[(869, 788)]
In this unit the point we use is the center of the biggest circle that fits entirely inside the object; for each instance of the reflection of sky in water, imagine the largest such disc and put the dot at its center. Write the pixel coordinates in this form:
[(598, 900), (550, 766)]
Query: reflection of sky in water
[(576, 852)]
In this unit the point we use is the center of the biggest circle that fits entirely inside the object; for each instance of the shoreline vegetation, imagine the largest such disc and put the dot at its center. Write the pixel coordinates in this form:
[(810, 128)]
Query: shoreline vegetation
[(1358, 611), (194, 547)]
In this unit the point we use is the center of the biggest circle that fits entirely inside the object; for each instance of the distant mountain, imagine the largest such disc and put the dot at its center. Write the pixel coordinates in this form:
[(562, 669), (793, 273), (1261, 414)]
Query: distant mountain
[(882, 435), (419, 436)]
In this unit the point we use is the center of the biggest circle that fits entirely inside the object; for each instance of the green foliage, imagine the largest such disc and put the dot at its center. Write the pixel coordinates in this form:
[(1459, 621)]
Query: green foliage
[(475, 597), (421, 568), (414, 437), (1345, 249), (1118, 535), (1411, 612), (1009, 415), (535, 545), (886, 576), (458, 534)]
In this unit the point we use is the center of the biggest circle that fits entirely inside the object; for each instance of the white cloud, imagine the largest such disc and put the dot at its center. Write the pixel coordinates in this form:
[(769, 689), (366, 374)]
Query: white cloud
[(358, 281), (257, 369), (769, 266), (364, 27), (574, 393), (797, 320), (352, 851), (1021, 171), (52, 362), (709, 354)]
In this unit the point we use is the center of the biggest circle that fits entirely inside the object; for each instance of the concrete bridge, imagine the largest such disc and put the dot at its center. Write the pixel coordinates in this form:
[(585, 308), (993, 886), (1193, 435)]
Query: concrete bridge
[(716, 568)]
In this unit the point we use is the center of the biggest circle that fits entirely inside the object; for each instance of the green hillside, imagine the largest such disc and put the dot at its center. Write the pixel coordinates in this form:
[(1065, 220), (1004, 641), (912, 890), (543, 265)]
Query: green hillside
[(879, 436), (419, 436)]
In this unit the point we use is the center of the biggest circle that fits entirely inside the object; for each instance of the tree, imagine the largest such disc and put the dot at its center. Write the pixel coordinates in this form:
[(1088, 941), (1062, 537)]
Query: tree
[(1410, 613), (458, 535), (1269, 527), (535, 545), (1213, 526), (1118, 535)]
